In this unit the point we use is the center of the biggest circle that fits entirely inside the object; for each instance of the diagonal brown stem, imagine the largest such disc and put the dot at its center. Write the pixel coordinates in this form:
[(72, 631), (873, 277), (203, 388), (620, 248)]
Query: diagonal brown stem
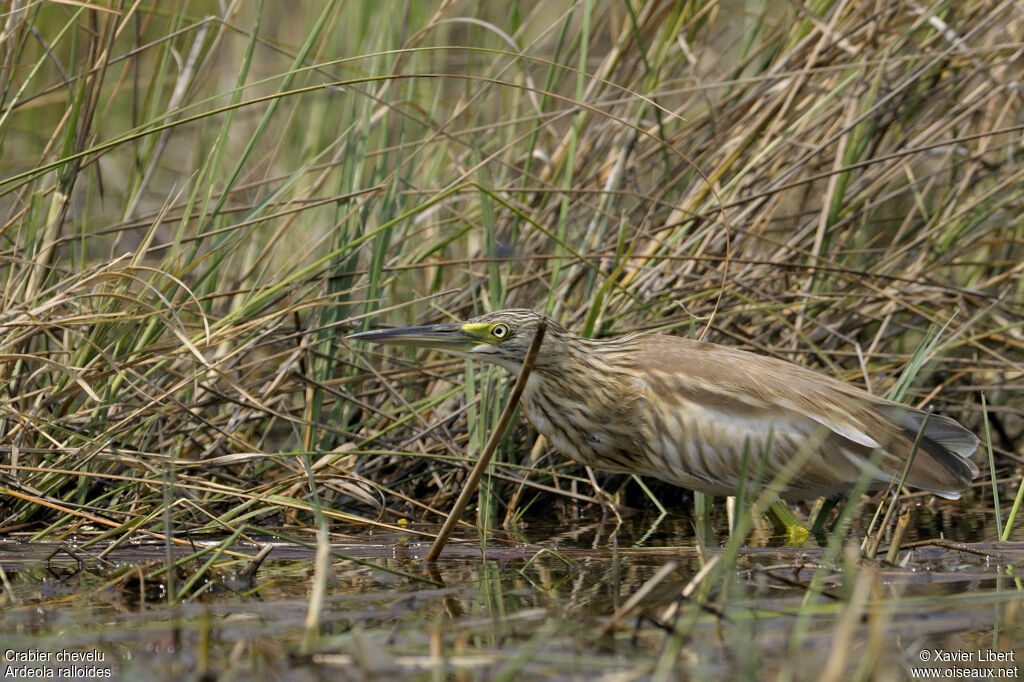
[(492, 443)]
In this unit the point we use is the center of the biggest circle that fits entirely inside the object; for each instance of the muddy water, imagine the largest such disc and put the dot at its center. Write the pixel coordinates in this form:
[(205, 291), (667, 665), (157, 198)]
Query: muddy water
[(581, 598)]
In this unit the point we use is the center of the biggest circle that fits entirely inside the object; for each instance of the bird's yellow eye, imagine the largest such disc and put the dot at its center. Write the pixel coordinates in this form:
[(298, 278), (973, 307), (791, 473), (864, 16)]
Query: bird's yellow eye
[(500, 331)]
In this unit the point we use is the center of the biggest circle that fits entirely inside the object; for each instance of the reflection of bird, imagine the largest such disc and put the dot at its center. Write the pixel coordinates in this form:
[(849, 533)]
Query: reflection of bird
[(687, 411)]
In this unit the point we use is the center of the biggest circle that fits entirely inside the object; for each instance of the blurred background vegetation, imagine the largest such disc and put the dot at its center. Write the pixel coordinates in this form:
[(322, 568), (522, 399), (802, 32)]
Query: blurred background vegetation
[(198, 200)]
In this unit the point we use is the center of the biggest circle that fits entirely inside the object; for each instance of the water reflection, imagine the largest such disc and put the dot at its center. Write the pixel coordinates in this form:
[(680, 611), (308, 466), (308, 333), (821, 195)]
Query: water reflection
[(552, 597)]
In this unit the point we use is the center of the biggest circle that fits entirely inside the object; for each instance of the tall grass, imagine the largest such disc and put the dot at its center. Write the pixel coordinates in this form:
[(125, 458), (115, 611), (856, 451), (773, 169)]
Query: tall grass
[(200, 199)]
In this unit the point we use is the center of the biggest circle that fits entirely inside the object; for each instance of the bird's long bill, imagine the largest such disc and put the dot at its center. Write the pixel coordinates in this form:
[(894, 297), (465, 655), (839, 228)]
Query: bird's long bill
[(450, 337)]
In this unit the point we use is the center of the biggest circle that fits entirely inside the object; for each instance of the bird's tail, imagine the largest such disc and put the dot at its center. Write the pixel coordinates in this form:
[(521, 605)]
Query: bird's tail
[(942, 464)]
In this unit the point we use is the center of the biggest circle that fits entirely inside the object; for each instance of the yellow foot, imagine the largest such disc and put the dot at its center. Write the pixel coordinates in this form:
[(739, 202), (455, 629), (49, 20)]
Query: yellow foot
[(784, 520)]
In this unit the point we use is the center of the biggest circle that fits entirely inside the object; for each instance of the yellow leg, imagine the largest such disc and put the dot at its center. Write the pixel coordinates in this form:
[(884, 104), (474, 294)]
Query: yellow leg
[(785, 520)]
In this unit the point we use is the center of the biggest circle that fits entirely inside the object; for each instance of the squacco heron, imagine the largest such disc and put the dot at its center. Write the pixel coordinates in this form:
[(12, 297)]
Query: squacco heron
[(700, 415)]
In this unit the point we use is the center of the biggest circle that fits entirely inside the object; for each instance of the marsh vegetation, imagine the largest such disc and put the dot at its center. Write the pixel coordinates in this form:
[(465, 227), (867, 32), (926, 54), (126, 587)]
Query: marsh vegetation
[(200, 199)]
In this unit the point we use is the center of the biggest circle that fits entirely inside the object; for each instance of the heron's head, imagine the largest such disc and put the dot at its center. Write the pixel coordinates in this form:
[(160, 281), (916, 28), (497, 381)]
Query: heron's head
[(501, 337)]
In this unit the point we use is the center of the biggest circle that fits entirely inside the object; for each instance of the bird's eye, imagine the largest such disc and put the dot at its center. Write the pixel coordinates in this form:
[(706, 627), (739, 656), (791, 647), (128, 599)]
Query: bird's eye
[(500, 331)]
